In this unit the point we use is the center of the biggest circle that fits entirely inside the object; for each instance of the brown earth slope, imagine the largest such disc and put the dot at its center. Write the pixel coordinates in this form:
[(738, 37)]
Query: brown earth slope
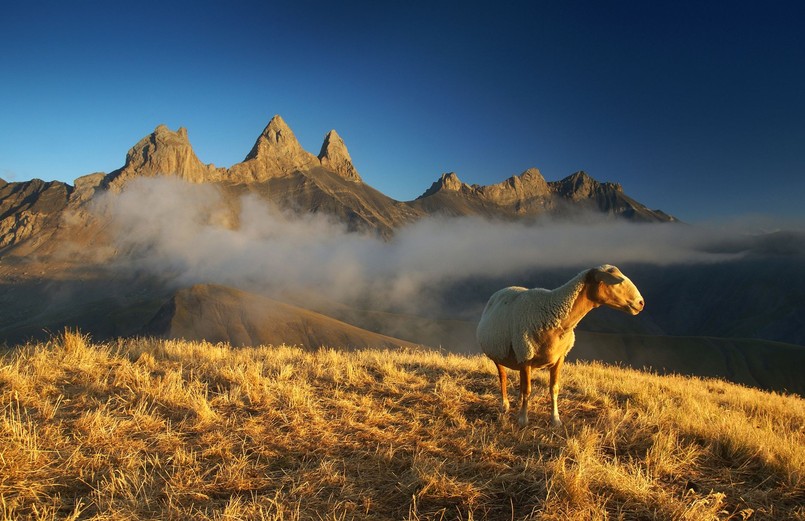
[(221, 314)]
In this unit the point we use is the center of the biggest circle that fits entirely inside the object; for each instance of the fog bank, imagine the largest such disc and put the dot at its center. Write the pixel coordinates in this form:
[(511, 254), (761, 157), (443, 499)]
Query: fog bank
[(193, 233)]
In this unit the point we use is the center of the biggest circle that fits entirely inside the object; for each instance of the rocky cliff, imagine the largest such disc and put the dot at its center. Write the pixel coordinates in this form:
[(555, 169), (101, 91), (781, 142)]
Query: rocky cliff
[(335, 157), (164, 152), (276, 153), (30, 209), (579, 191)]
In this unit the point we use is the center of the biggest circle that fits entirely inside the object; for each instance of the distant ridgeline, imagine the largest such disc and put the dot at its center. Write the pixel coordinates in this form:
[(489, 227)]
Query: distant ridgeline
[(280, 170)]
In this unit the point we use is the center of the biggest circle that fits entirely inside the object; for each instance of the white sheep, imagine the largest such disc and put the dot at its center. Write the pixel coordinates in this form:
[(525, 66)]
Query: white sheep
[(525, 329)]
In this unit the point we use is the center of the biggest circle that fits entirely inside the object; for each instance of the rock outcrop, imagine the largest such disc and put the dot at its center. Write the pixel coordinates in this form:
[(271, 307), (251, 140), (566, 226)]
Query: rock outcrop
[(30, 208), (527, 193), (276, 153), (448, 182), (579, 192), (85, 188), (163, 152), (335, 157), (580, 186)]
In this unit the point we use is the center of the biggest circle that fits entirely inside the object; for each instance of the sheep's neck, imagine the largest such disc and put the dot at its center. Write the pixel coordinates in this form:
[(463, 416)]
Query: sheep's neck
[(581, 306)]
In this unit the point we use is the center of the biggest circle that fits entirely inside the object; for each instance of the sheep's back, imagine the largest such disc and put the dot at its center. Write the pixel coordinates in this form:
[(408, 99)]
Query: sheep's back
[(498, 322)]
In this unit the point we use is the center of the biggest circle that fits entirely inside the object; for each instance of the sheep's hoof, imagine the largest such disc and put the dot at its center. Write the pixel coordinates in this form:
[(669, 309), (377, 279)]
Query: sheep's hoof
[(556, 422), (522, 419), (504, 406)]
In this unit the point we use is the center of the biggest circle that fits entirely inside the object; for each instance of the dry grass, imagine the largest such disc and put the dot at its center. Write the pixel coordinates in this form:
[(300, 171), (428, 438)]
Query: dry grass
[(152, 429)]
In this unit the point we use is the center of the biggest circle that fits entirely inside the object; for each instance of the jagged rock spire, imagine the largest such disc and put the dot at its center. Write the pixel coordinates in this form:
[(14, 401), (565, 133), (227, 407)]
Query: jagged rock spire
[(335, 157), (276, 153), (278, 141), (581, 186), (527, 185), (164, 152), (448, 182)]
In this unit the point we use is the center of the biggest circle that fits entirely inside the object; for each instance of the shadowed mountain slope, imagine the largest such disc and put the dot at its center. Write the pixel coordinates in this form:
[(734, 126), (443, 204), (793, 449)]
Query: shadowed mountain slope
[(31, 209), (220, 314)]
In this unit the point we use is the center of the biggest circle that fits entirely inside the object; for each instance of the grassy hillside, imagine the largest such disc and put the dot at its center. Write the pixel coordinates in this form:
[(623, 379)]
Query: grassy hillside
[(147, 429)]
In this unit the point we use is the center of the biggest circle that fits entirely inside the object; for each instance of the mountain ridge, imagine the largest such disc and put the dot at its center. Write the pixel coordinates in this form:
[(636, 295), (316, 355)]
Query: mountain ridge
[(278, 168)]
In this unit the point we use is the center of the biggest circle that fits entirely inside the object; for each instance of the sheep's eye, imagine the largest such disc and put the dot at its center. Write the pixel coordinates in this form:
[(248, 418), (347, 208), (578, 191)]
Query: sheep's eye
[(611, 270)]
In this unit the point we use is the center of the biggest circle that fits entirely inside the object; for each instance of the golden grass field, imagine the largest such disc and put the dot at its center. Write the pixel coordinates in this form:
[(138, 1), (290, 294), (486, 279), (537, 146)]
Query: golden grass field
[(160, 429)]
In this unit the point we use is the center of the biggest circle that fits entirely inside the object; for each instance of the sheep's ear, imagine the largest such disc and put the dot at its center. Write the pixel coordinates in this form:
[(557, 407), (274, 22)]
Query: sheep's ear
[(606, 277)]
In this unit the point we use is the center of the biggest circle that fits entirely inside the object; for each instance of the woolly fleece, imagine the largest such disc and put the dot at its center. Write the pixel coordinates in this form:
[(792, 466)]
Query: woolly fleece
[(513, 312)]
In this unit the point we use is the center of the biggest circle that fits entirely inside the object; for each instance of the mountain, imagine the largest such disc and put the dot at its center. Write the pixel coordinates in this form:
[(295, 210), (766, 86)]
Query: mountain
[(31, 210), (276, 153), (163, 152), (279, 170), (221, 314), (586, 193), (529, 195), (335, 157)]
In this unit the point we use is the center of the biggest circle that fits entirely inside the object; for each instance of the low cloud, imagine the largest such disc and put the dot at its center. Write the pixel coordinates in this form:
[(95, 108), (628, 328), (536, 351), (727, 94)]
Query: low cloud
[(190, 233)]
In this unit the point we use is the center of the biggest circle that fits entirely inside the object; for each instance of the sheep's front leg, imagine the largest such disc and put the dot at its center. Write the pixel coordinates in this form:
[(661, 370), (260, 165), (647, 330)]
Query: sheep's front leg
[(504, 397), (525, 394), (555, 392)]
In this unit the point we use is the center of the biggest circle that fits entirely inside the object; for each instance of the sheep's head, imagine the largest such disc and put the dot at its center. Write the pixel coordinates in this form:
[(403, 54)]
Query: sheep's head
[(609, 287)]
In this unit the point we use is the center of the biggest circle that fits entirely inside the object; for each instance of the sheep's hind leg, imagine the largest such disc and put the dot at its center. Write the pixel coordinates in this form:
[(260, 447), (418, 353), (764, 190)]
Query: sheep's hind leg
[(525, 394), (504, 397)]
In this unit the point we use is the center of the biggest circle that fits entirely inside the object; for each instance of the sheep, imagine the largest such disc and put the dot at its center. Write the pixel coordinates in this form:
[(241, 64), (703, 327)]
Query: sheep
[(524, 329)]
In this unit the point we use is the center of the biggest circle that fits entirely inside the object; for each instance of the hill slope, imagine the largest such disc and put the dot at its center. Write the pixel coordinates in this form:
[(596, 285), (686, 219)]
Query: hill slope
[(175, 430), (220, 314)]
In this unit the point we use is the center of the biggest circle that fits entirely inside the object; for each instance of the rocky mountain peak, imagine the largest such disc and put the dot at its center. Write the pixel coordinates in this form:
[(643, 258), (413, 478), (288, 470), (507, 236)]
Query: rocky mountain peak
[(577, 186), (533, 177), (163, 152), (276, 153), (527, 184), (448, 182), (335, 157), (277, 141), (518, 188), (581, 185), (277, 131)]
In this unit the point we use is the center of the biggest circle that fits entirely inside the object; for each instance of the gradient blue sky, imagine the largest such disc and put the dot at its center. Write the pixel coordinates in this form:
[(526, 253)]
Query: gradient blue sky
[(697, 108)]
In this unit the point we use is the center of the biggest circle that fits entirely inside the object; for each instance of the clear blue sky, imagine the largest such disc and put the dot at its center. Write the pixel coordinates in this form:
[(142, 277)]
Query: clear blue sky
[(697, 108)]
